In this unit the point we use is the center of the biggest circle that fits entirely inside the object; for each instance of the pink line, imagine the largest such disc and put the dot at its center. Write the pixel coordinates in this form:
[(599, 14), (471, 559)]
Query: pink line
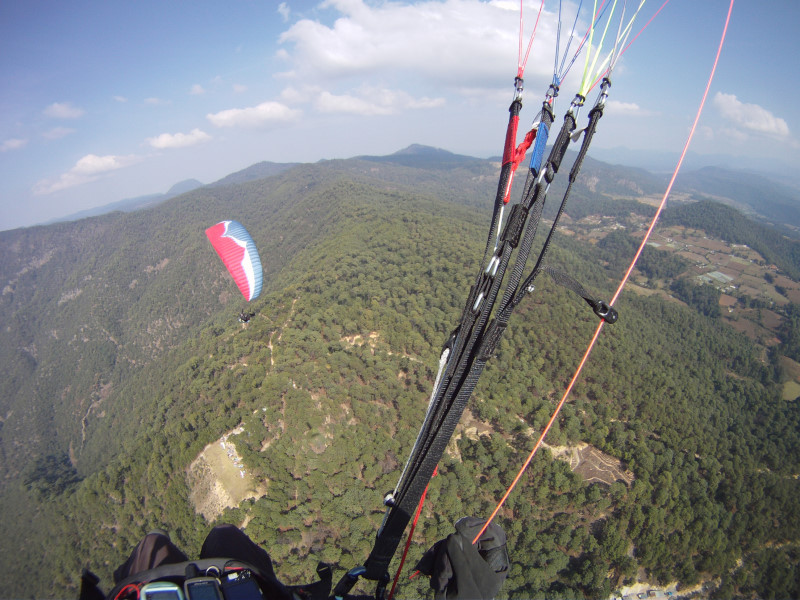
[(621, 285)]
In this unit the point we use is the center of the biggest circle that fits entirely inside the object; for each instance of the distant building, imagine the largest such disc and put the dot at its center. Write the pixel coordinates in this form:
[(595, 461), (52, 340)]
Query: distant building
[(720, 277), (715, 278)]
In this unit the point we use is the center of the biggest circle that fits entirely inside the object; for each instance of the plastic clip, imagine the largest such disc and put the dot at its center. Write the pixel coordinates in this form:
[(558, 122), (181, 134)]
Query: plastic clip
[(347, 582), (605, 312)]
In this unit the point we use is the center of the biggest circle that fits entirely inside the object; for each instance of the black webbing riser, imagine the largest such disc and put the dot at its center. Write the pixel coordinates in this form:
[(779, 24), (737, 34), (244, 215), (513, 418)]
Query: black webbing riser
[(456, 380), (470, 330), (454, 400), (382, 553), (477, 336), (441, 424), (467, 320), (505, 175), (534, 200), (594, 117)]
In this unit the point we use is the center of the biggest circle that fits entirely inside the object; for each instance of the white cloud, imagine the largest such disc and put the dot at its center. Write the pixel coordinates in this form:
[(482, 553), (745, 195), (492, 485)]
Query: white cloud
[(751, 117), (455, 42), (57, 133), (415, 54), (197, 90), (179, 140), (706, 133), (373, 102), (292, 95), (239, 88), (266, 113), (12, 144), (152, 101), (91, 164), (329, 103), (63, 110), (627, 109), (87, 169), (122, 99), (284, 11), (734, 134)]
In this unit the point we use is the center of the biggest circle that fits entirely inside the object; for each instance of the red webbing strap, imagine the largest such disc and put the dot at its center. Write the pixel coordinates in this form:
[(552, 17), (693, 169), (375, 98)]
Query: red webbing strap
[(511, 139), (518, 157)]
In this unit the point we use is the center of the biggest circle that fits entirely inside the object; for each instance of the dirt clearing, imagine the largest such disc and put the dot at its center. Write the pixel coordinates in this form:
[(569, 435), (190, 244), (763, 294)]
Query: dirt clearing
[(218, 480), (592, 464)]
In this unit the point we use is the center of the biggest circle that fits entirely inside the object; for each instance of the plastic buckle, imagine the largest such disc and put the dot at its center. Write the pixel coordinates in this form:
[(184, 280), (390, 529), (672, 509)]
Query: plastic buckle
[(606, 312)]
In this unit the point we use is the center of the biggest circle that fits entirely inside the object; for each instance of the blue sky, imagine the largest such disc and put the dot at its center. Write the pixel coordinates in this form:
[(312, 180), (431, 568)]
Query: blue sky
[(106, 100)]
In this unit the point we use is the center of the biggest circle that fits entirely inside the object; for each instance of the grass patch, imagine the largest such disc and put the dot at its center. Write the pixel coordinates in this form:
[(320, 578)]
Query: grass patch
[(791, 390)]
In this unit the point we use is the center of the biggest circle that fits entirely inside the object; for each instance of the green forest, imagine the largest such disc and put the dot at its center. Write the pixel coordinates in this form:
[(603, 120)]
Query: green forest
[(125, 359)]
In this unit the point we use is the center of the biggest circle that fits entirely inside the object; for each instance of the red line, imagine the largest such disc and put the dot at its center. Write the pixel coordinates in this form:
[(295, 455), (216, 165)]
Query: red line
[(410, 535), (521, 64), (520, 69), (680, 161), (622, 283)]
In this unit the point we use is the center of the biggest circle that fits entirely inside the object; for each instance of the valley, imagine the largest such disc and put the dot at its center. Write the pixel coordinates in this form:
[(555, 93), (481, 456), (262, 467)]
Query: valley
[(681, 435)]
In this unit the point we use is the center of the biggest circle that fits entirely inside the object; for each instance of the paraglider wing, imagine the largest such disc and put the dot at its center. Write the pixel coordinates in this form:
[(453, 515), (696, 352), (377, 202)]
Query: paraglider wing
[(238, 252)]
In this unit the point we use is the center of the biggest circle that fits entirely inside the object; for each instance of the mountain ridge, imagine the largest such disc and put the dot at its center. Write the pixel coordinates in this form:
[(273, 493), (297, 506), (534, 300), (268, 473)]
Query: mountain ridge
[(131, 204), (760, 195)]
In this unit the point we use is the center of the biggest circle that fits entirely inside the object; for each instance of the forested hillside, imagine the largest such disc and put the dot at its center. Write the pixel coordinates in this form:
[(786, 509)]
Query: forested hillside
[(777, 203), (725, 222), (125, 359)]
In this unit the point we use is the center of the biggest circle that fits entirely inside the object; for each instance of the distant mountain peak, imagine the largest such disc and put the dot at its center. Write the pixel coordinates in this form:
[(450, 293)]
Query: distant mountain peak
[(260, 170), (133, 204), (424, 157), (421, 149), (187, 185)]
